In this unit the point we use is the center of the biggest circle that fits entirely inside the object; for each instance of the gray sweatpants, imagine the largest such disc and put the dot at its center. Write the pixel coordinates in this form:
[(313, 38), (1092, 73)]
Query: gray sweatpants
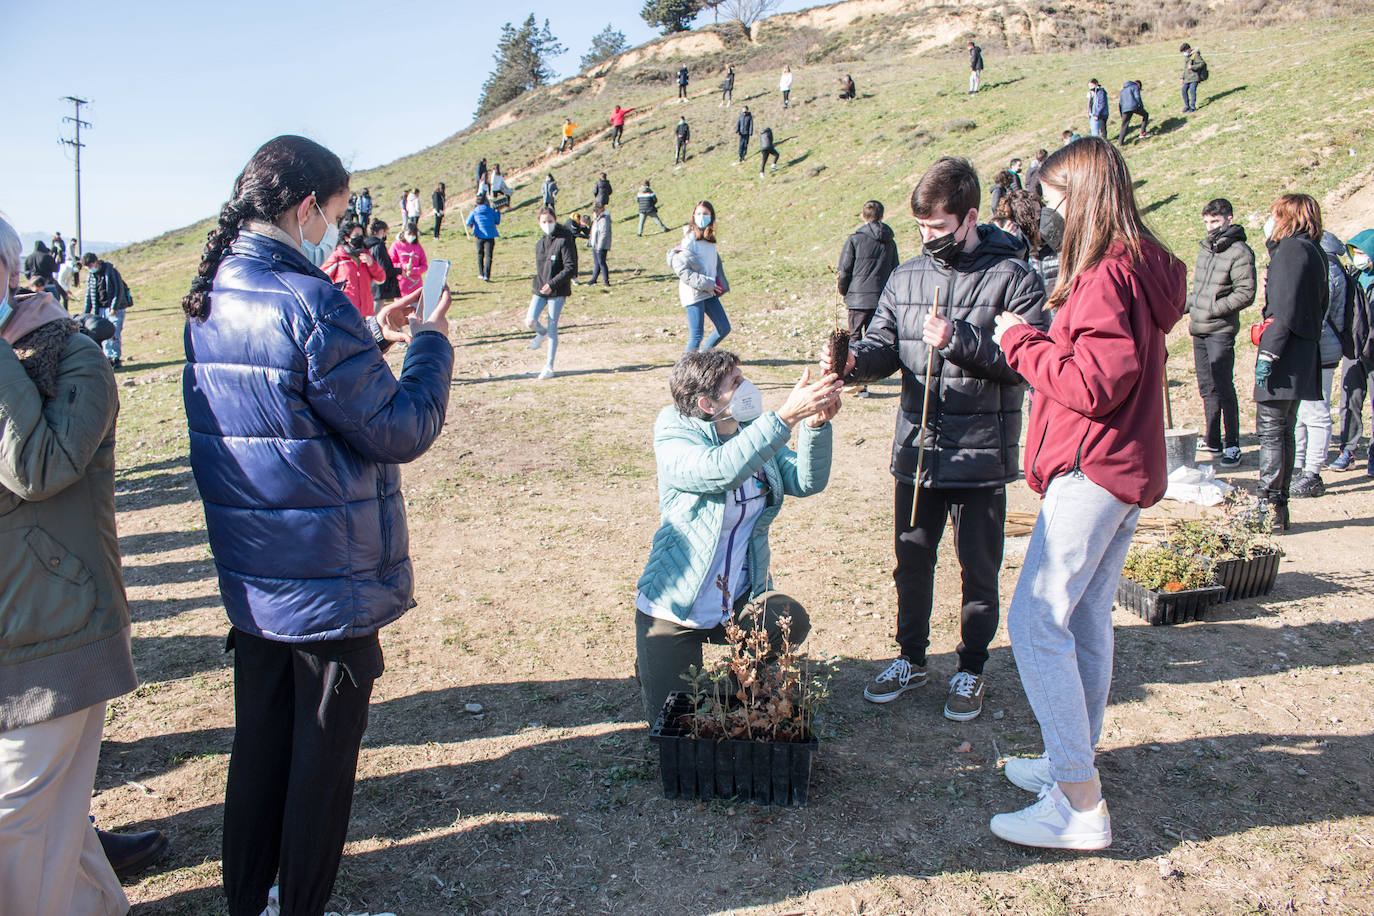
[(1060, 620), (1313, 432)]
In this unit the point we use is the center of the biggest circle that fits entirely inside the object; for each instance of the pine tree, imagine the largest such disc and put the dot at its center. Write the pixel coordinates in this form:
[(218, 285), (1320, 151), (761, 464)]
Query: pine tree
[(521, 57), (606, 44), (670, 15)]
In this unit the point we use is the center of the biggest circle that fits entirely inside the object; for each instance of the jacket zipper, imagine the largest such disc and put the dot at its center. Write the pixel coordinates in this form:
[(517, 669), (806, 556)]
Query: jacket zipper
[(386, 529), (729, 596)]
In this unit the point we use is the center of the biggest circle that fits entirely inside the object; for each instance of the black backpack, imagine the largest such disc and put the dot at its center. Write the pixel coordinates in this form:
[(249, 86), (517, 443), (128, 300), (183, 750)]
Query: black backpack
[(1200, 67), (120, 297), (1356, 342)]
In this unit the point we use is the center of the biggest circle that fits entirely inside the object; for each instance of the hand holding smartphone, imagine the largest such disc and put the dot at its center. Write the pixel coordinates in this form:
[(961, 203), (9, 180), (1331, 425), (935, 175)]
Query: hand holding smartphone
[(435, 281)]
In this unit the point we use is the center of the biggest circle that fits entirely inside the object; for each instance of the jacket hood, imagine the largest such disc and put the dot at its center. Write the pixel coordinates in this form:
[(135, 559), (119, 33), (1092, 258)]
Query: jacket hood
[(1224, 237), (1332, 245), (993, 243), (1365, 242), (879, 230), (1164, 282)]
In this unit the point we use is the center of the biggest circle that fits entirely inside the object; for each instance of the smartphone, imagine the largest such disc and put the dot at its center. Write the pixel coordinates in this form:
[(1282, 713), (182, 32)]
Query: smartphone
[(435, 281)]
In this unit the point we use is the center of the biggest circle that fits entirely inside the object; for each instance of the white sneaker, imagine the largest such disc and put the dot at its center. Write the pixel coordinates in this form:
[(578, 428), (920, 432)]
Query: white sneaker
[(1053, 823), (539, 338), (547, 373), (1029, 773)]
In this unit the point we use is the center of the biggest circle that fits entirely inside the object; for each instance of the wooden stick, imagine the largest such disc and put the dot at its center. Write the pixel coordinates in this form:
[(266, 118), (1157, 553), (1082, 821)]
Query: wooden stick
[(921, 432)]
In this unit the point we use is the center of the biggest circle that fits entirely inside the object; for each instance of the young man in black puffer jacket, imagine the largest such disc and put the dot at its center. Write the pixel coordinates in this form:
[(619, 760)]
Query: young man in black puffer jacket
[(1223, 285), (868, 258), (971, 434)]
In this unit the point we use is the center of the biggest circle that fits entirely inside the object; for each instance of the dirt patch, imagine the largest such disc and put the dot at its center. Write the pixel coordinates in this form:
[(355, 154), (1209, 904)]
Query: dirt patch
[(1350, 209)]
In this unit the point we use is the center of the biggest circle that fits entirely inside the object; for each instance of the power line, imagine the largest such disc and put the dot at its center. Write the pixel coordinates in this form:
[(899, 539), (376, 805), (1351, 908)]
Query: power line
[(76, 145)]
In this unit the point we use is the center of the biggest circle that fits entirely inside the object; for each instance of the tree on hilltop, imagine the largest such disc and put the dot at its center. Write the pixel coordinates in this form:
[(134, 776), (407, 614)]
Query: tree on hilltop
[(747, 12), (522, 63), (670, 15), (605, 44)]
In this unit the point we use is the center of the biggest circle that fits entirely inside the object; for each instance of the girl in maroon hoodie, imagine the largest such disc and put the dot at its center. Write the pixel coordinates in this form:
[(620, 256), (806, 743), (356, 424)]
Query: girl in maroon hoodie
[(1095, 452)]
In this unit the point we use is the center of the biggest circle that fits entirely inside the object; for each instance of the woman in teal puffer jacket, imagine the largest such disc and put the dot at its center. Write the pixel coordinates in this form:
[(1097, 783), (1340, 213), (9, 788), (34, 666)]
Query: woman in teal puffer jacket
[(723, 470)]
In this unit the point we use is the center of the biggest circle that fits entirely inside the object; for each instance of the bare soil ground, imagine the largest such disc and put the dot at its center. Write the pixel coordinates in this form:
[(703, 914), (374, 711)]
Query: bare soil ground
[(1236, 756)]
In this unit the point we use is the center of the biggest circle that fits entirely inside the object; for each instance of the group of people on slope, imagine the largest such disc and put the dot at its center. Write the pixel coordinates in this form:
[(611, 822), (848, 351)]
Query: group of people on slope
[(106, 297)]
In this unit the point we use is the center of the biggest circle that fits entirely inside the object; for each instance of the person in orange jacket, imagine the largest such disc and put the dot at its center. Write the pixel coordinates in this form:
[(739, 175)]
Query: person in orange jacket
[(618, 122), (568, 128), (350, 264)]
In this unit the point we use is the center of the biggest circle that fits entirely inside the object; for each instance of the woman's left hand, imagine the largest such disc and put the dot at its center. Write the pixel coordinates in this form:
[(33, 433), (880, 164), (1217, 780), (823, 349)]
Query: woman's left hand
[(1002, 322), (30, 312), (826, 413)]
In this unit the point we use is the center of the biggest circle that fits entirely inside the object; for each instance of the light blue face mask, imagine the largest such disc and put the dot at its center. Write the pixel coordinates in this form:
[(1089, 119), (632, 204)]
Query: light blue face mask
[(319, 253), (702, 220)]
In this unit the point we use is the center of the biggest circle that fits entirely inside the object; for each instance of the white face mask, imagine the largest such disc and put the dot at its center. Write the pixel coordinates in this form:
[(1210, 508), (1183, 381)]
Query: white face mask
[(745, 405), (1360, 259), (1269, 227), (546, 228)]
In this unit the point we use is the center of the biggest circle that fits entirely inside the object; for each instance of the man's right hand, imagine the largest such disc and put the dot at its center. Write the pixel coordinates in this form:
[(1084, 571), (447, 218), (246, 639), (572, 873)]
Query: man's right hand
[(827, 368)]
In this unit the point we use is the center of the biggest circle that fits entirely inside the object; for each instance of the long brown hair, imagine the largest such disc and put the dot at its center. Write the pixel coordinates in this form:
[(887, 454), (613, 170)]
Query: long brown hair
[(1294, 213), (709, 233), (1099, 208)]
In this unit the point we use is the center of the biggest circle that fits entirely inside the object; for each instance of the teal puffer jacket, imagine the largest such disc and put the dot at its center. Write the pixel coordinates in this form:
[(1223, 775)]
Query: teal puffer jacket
[(696, 473)]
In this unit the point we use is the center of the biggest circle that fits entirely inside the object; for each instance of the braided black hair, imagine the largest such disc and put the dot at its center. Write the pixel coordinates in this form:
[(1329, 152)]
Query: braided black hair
[(283, 172)]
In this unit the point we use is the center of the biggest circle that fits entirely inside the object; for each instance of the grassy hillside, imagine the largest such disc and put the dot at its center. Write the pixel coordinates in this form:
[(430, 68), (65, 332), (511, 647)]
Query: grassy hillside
[(1263, 128)]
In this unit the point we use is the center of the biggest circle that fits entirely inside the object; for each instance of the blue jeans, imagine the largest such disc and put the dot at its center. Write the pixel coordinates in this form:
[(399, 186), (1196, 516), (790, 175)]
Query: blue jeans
[(1190, 96), (1097, 127), (112, 347), (555, 306), (599, 268), (1060, 621), (697, 312)]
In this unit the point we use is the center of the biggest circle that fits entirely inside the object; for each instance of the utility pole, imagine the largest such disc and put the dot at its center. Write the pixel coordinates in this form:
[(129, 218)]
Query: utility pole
[(76, 145)]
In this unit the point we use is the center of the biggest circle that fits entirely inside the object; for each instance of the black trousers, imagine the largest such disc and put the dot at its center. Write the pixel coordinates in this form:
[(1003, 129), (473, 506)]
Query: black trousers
[(486, 249), (786, 97), (763, 163), (438, 221), (616, 134), (300, 710), (1126, 117), (682, 90), (1354, 387), (1214, 358), (979, 515), (743, 146), (1276, 423), (681, 153), (859, 320)]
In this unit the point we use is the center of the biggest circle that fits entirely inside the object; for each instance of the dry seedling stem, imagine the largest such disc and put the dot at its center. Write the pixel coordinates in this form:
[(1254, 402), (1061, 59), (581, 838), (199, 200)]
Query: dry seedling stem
[(921, 432)]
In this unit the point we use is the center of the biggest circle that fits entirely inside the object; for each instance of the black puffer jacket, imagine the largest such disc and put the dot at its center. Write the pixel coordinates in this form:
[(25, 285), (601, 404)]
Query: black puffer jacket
[(974, 426), (601, 194), (868, 258), (1296, 296), (555, 262), (390, 288), (1223, 282)]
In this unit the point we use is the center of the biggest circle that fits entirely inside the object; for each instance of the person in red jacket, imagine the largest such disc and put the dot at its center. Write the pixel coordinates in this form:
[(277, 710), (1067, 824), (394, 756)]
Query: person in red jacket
[(1095, 452), (618, 122), (350, 264)]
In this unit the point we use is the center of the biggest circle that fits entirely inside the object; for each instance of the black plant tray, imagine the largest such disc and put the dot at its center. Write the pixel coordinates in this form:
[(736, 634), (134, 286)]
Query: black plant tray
[(1248, 578), (762, 772), (1166, 607)]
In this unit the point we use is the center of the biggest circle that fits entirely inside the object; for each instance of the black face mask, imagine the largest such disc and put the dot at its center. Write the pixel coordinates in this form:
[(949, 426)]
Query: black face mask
[(1052, 228), (944, 250)]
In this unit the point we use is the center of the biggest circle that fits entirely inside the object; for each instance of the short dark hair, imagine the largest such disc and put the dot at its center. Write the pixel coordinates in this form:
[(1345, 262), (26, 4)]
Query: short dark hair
[(1218, 206), (546, 210), (873, 211), (378, 226), (950, 184), (1094, 82), (90, 259), (700, 373), (481, 200), (1185, 47), (1042, 154)]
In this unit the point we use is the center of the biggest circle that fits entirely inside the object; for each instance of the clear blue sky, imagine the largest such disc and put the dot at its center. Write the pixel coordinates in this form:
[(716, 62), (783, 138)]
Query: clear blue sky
[(183, 92)]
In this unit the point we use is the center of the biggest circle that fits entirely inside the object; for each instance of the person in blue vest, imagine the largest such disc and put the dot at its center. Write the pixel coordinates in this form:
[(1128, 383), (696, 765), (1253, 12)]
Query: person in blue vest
[(724, 469), (297, 434), (1131, 106), (1098, 109)]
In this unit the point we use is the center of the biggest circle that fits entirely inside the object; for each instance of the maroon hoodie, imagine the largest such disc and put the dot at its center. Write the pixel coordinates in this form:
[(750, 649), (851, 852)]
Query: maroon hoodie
[(1098, 375)]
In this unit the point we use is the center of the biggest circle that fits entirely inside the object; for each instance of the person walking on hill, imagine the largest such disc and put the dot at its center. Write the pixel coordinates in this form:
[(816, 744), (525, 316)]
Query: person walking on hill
[(568, 128), (975, 66), (847, 90), (601, 192), (500, 191), (970, 437), (701, 278), (682, 78), (785, 85), (1356, 370), (555, 268), (867, 258), (682, 133), (618, 116), (1224, 285), (600, 243), (410, 259), (744, 128), (350, 264), (1194, 72), (483, 221), (389, 290), (439, 199), (1312, 434), (107, 296), (1033, 172), (1131, 105), (767, 148), (1098, 109), (727, 87), (1288, 368), (297, 432), (548, 193), (64, 614), (647, 202), (363, 207), (1097, 424)]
